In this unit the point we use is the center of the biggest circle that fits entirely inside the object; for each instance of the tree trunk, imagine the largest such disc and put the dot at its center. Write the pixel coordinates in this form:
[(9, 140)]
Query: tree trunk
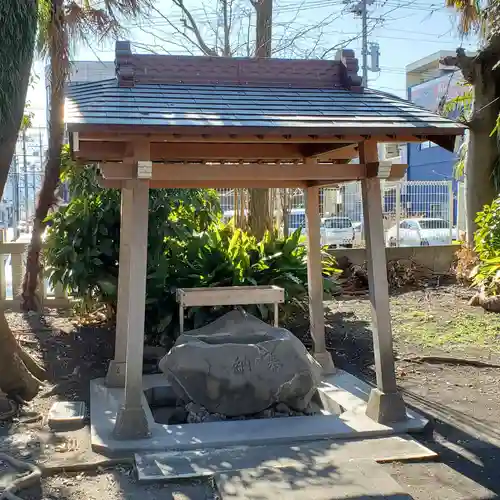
[(15, 377), (482, 149), (227, 28), (19, 24), (264, 27), (59, 66), (259, 218), (286, 212)]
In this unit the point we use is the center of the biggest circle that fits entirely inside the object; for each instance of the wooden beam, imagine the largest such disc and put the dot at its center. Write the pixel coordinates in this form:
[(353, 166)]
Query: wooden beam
[(131, 421), (164, 151), (385, 405), (221, 137), (386, 170), (315, 280), (327, 152), (219, 151), (322, 183), (120, 183), (239, 172), (262, 135), (101, 151)]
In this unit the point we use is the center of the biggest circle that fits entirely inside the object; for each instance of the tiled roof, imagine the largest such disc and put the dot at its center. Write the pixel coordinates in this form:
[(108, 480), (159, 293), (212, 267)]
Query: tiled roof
[(177, 105)]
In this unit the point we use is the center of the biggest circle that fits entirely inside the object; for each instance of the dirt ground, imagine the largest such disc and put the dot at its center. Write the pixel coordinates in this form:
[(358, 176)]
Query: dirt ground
[(462, 399), (433, 322)]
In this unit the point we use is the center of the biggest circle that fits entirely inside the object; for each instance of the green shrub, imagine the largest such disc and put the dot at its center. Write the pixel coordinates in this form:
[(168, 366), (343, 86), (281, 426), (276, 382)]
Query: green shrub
[(187, 247), (487, 246)]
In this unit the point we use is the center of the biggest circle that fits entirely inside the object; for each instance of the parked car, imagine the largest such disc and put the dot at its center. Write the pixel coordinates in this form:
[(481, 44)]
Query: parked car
[(337, 232), (421, 232)]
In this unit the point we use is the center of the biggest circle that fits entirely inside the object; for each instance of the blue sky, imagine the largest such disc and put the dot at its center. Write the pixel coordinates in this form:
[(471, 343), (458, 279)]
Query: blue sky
[(405, 30)]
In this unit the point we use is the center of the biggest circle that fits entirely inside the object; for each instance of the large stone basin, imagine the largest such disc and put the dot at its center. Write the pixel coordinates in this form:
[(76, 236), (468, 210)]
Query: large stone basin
[(238, 365)]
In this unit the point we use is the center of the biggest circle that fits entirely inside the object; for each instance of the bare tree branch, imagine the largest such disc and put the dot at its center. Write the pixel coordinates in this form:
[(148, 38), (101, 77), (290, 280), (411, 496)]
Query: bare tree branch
[(201, 46), (193, 27), (161, 48), (299, 8), (302, 33), (346, 42)]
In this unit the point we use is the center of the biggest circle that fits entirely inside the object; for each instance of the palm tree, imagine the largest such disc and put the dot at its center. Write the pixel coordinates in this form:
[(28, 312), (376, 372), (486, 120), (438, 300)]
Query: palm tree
[(62, 24), (482, 165), (18, 371), (19, 24)]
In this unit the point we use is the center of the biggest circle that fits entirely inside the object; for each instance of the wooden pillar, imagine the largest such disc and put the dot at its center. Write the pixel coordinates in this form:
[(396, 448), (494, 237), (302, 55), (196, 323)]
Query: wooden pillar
[(115, 376), (131, 421), (385, 404), (315, 280)]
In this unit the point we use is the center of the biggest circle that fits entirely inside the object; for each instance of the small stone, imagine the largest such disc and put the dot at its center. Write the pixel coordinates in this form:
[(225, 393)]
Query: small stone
[(179, 416), (269, 413), (194, 408), (281, 415), (193, 418), (214, 417), (282, 408)]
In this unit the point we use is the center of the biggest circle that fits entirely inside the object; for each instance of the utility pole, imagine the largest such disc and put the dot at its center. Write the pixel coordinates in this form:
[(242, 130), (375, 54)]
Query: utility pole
[(25, 169), (360, 9), (15, 198), (364, 29), (40, 168)]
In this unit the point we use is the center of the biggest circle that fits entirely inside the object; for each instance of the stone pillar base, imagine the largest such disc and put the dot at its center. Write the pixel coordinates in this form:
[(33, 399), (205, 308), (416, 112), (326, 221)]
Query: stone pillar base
[(131, 423), (115, 376), (326, 362), (386, 408)]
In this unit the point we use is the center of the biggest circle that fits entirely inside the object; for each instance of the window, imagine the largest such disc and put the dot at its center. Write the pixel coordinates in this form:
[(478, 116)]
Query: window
[(426, 145), (338, 223), (408, 224), (434, 224)]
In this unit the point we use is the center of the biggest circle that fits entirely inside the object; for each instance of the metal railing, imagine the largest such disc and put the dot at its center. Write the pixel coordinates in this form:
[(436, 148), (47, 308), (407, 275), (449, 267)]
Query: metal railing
[(441, 203), (13, 258)]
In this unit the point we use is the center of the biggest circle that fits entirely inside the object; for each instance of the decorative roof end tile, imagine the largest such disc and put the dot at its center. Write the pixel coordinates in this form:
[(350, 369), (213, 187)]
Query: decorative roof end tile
[(350, 67), (124, 66)]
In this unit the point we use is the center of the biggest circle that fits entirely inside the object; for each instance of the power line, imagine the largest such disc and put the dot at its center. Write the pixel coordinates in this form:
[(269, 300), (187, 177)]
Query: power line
[(159, 21)]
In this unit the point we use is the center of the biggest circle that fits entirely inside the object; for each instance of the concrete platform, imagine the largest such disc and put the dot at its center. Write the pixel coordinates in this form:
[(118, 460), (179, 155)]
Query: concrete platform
[(336, 481), (172, 466), (340, 388)]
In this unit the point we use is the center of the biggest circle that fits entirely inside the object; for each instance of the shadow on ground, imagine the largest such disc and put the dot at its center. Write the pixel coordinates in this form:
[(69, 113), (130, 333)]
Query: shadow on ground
[(463, 443), (72, 355)]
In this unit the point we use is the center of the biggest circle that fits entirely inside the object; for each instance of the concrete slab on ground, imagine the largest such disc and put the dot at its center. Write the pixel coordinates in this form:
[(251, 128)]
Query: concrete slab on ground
[(179, 465), (345, 389), (335, 481), (63, 414)]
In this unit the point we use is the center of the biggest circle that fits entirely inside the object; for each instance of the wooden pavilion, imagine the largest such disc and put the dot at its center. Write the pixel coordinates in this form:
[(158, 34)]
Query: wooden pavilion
[(185, 121)]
